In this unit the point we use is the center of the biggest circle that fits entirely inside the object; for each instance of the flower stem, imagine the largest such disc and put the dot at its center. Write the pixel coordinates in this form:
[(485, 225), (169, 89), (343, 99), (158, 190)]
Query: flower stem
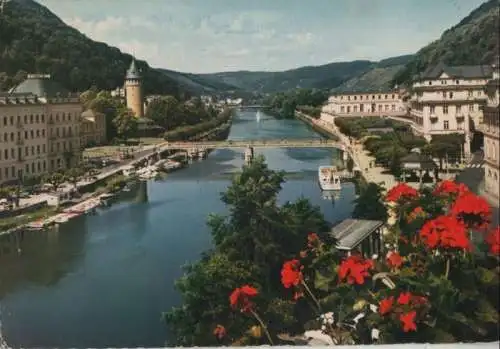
[(268, 335), (447, 270), (312, 295)]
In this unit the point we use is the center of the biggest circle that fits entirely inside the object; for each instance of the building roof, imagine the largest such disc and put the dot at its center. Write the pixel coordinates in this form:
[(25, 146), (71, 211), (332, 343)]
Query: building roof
[(415, 160), (41, 86), (462, 71), (351, 232), (133, 72)]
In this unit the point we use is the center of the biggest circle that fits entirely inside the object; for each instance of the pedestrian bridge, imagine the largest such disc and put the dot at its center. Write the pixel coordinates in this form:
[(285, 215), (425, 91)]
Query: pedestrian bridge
[(264, 143)]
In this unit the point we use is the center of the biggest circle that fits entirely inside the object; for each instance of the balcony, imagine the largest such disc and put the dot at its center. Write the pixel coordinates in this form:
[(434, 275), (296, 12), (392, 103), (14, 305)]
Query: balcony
[(460, 117), (20, 125), (489, 130), (433, 118)]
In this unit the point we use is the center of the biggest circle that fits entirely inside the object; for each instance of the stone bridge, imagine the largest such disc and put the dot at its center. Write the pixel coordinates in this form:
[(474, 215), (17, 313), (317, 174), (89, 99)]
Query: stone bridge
[(265, 143)]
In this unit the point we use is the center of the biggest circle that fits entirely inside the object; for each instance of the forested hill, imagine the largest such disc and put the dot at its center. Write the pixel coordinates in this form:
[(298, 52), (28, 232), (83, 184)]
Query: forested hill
[(475, 40), (34, 40)]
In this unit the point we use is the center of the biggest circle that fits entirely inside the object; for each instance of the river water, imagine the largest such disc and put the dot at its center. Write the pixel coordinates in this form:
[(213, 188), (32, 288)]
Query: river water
[(104, 280)]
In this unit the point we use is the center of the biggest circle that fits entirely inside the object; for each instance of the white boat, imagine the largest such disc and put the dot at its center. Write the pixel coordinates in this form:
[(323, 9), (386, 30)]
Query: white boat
[(129, 171), (258, 116), (328, 178)]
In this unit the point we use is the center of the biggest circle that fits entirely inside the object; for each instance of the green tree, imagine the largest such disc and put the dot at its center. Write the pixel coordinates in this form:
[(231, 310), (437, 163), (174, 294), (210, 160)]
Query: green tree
[(249, 245), (126, 124), (73, 175), (164, 111), (370, 203), (55, 179)]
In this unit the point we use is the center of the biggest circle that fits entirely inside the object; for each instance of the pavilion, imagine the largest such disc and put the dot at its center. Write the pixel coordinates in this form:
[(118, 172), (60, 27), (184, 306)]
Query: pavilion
[(419, 164), (359, 235)]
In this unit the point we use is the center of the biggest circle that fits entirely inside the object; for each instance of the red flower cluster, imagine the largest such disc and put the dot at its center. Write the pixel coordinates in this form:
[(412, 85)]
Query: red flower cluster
[(417, 211), (401, 191), (405, 299), (493, 240), (445, 232), (473, 210), (291, 273), (447, 187), (394, 259), (219, 332), (312, 240), (355, 269), (241, 297)]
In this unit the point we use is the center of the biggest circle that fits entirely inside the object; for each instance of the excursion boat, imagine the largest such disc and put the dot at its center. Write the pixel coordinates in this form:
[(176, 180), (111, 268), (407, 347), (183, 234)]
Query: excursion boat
[(328, 178)]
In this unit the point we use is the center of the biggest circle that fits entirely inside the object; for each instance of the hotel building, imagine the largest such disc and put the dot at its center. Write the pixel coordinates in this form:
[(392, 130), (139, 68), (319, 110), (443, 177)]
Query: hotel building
[(359, 104), (491, 130), (449, 100), (39, 129)]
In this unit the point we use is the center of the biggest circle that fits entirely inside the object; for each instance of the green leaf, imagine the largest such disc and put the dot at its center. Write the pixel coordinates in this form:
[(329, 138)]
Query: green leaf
[(486, 276), (321, 282), (486, 312), (461, 318), (407, 272), (441, 336)]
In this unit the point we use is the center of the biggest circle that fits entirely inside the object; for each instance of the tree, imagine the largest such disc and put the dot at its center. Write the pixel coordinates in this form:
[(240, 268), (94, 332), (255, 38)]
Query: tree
[(73, 175), (164, 111), (126, 124), (55, 179), (248, 246), (370, 203), (106, 104)]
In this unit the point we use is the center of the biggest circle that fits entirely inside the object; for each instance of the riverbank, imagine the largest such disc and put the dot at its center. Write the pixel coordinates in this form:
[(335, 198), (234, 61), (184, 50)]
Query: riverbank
[(358, 154)]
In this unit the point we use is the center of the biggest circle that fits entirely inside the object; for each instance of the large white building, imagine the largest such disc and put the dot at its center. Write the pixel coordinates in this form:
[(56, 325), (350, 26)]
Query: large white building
[(359, 104), (449, 100), (491, 130)]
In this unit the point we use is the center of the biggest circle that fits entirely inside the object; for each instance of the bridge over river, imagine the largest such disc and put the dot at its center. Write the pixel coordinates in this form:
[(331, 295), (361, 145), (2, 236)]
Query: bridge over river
[(265, 143)]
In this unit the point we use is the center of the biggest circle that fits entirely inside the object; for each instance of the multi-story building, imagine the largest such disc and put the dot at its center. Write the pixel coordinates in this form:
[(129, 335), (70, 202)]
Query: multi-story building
[(93, 128), (449, 100), (39, 129), (386, 103), (491, 131)]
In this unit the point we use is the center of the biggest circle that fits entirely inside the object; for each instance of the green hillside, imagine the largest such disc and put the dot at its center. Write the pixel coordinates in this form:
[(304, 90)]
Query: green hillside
[(472, 41), (33, 39), (327, 76), (199, 84)]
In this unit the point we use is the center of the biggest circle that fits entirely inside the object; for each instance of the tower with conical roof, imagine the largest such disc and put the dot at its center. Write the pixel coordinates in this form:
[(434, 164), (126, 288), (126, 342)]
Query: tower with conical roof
[(133, 90)]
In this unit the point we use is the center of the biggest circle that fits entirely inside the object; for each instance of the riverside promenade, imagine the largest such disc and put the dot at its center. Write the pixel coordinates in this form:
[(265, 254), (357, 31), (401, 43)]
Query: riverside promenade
[(359, 155)]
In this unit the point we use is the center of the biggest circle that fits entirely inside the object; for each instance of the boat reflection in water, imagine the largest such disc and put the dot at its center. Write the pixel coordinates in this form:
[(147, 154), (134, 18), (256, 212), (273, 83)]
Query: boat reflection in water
[(331, 195)]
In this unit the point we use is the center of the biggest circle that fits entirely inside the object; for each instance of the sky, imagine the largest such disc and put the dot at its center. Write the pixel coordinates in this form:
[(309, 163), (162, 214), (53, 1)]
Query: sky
[(205, 36)]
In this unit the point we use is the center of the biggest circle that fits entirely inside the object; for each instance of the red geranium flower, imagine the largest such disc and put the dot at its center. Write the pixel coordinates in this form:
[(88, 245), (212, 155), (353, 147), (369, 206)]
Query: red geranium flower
[(408, 321), (385, 305), (473, 210), (401, 191), (355, 269), (493, 240), (448, 187), (445, 232), (220, 331), (417, 211), (404, 298), (312, 240), (394, 259), (240, 298), (291, 274)]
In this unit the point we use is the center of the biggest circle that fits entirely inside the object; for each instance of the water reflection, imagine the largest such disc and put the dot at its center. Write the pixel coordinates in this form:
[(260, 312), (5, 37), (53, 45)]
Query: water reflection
[(40, 257)]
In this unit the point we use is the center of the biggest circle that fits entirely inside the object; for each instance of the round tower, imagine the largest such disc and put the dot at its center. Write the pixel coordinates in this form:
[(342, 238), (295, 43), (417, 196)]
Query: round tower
[(133, 90)]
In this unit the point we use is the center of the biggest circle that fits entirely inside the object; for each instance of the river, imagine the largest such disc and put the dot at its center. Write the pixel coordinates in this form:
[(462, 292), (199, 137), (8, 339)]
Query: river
[(104, 280)]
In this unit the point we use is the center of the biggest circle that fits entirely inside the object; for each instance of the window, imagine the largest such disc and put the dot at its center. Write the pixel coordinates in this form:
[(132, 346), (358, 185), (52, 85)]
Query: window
[(451, 94), (360, 98), (460, 126), (444, 94), (355, 97), (471, 107), (348, 109), (446, 125), (430, 82), (432, 109), (342, 109), (445, 109), (469, 94)]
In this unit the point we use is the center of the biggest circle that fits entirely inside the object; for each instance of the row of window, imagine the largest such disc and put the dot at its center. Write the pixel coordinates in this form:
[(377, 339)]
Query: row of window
[(445, 108), (38, 150), (490, 149), (38, 133), (457, 82), (393, 96), (37, 118), (373, 109), (34, 168), (436, 126)]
